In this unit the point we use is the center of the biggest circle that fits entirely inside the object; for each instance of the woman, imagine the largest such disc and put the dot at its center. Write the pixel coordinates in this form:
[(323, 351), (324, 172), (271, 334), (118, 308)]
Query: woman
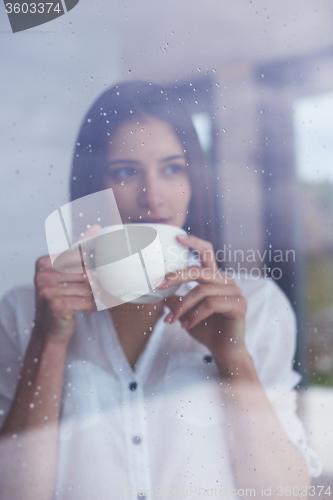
[(190, 397)]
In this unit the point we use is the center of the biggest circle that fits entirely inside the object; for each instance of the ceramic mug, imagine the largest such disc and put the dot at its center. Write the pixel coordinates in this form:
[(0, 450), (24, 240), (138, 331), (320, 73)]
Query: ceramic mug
[(131, 261)]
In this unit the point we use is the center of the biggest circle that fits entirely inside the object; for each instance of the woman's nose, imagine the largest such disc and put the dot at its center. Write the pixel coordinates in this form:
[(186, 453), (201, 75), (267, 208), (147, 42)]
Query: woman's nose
[(151, 195)]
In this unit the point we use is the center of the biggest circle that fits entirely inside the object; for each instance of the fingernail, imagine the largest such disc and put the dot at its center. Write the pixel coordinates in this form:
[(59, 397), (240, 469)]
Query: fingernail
[(185, 323), (164, 282), (169, 317), (182, 236)]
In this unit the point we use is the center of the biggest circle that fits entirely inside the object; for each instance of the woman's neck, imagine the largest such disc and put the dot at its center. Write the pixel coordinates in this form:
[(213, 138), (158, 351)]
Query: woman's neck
[(134, 324)]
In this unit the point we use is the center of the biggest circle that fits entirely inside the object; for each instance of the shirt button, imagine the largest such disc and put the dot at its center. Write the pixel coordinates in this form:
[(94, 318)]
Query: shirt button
[(136, 440), (208, 359), (133, 386), (141, 495)]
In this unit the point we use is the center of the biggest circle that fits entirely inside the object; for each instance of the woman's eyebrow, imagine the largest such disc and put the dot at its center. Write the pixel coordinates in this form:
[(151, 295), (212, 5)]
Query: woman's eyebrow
[(123, 162), (175, 157)]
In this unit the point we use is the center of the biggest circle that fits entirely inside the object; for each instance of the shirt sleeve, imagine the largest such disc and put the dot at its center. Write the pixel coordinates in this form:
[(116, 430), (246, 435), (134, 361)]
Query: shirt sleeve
[(271, 340), (16, 314)]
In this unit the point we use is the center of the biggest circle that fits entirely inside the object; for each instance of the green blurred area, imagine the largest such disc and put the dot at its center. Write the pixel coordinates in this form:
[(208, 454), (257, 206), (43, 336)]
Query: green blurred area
[(319, 282), (316, 204), (322, 379), (319, 292)]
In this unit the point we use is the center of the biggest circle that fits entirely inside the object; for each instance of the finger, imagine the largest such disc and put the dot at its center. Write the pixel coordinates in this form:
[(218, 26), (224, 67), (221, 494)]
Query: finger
[(43, 264), (71, 260), (182, 305), (232, 308), (53, 277), (195, 273), (50, 293), (204, 249), (90, 233), (65, 307)]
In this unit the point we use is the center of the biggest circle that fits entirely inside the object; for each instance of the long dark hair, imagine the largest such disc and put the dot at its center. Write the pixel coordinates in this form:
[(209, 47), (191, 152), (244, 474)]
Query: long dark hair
[(138, 99)]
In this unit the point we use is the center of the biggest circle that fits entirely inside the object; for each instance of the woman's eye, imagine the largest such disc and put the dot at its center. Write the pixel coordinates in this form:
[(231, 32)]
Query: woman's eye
[(122, 173), (174, 168)]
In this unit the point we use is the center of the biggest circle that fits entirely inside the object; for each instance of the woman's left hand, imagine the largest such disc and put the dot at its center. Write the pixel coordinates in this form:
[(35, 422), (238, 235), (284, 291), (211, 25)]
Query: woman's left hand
[(214, 311)]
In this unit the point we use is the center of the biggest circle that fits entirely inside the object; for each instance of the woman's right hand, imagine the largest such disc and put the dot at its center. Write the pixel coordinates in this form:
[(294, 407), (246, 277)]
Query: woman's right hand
[(60, 295)]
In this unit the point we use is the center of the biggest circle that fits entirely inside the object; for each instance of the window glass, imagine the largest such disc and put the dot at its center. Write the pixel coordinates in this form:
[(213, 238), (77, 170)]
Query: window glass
[(125, 126)]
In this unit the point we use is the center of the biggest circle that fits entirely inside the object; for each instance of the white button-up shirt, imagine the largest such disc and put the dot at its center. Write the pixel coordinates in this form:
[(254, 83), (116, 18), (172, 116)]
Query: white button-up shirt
[(163, 430)]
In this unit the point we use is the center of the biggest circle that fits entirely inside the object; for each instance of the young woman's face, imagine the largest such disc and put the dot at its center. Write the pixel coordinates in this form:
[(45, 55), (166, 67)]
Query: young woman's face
[(148, 173)]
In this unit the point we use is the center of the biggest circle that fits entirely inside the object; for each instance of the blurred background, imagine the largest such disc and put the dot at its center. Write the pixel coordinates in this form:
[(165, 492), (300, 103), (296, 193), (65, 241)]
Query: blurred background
[(258, 79)]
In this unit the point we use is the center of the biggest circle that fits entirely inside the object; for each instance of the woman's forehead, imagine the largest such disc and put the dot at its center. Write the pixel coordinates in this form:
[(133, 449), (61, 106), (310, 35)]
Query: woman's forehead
[(142, 135)]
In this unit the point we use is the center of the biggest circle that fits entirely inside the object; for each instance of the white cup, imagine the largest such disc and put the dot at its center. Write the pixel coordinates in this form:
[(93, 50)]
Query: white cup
[(131, 260)]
